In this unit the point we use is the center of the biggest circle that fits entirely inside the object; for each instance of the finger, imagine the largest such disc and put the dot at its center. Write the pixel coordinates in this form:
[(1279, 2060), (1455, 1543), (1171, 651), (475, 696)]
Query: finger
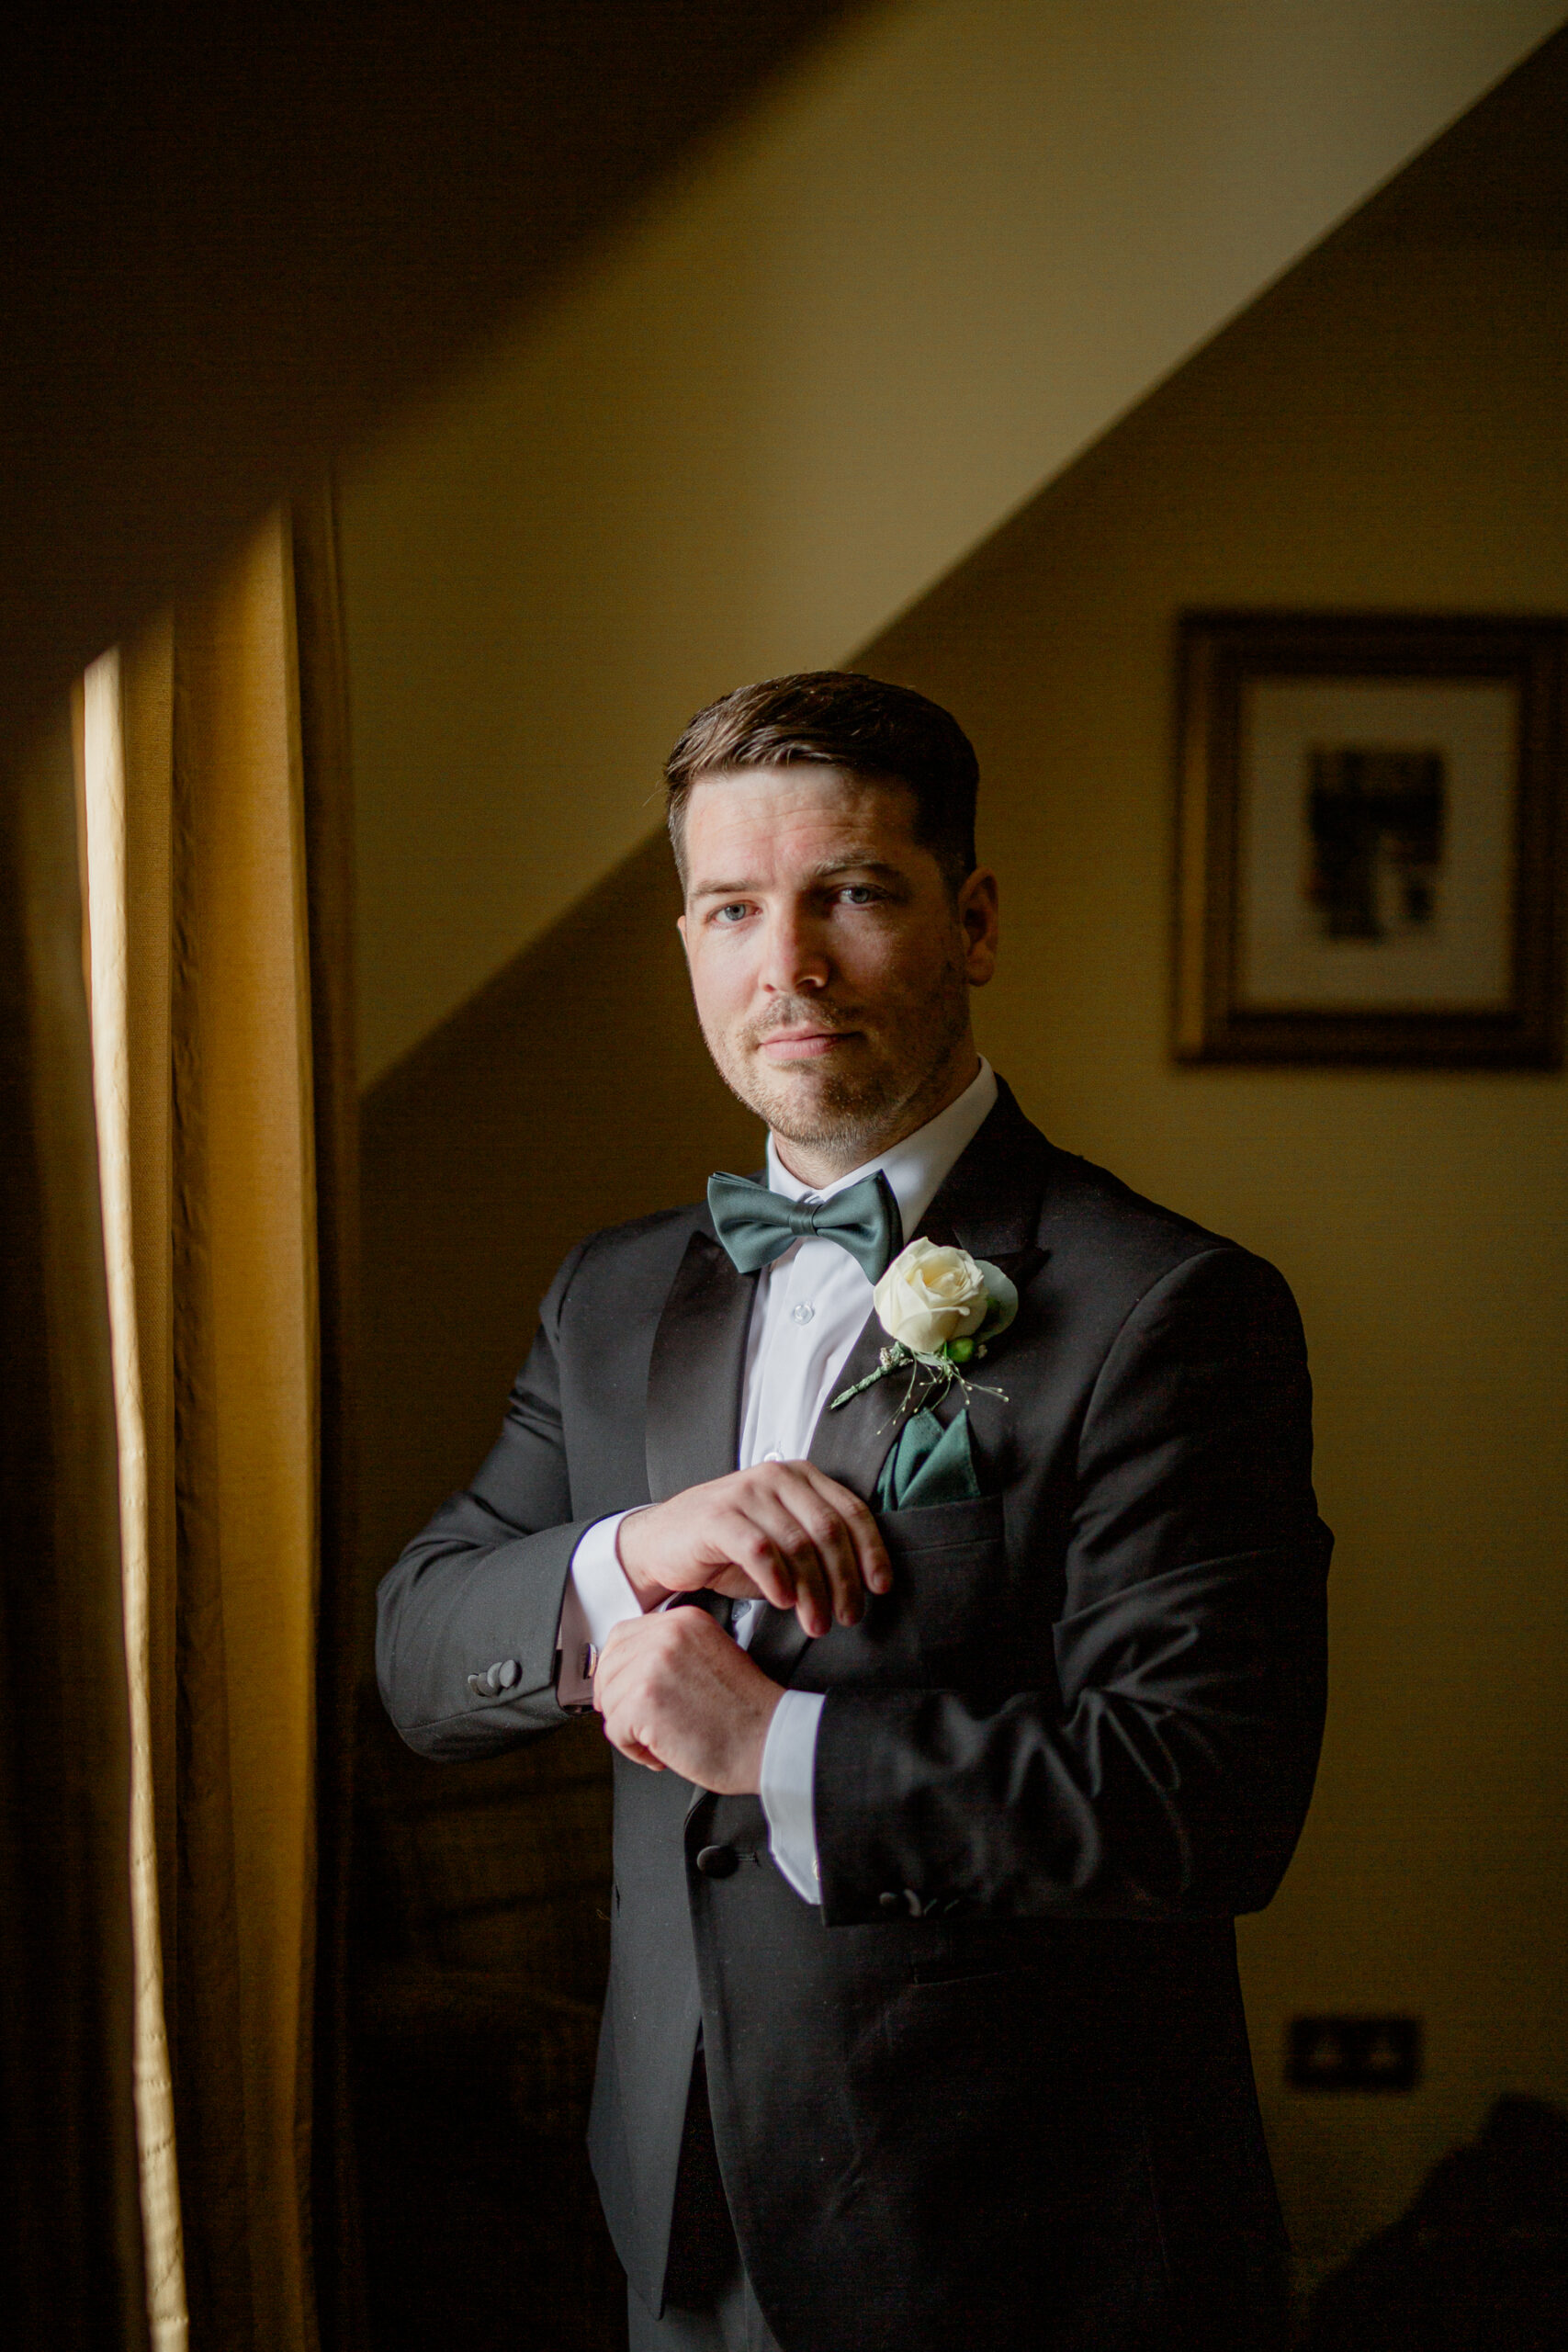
[(635, 1662), (749, 1533), (611, 1652), (626, 1632), (633, 1749), (820, 1554), (871, 1553), (809, 1590), (736, 1585), (835, 1544), (619, 1693), (846, 1549), (619, 1659)]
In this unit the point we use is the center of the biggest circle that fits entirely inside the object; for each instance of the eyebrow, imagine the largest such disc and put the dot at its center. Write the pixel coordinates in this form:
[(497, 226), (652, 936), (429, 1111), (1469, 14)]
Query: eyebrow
[(823, 873)]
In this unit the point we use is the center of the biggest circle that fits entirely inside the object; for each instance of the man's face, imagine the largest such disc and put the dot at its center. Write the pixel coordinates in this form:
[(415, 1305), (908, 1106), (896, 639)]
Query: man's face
[(830, 963)]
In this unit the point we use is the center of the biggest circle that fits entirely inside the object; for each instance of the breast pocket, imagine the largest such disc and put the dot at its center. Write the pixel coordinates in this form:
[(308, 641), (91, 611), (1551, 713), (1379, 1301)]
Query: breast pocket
[(942, 1625)]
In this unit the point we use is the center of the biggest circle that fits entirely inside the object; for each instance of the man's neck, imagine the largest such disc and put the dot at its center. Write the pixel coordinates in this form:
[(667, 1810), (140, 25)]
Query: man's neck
[(818, 1164)]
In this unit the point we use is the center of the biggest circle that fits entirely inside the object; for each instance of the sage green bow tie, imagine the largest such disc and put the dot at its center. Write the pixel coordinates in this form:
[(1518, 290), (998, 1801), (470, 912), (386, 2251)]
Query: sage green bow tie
[(756, 1225)]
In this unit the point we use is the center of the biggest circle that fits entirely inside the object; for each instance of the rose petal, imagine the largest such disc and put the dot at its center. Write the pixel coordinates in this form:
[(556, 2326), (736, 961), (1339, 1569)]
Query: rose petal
[(925, 1331), (931, 1293)]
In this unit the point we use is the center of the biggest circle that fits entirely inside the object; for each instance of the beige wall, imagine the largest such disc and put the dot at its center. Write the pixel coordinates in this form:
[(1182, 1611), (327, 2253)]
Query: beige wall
[(1389, 428), (857, 334)]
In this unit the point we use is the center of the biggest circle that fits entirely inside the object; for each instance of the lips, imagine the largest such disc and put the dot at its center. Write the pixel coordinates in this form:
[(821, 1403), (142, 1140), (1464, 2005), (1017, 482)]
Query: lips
[(801, 1044)]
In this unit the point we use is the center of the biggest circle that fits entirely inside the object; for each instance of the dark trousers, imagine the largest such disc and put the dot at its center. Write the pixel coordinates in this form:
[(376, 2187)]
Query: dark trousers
[(709, 2305)]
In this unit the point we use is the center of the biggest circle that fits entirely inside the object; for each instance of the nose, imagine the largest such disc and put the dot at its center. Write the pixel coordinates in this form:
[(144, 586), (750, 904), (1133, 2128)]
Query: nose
[(796, 961)]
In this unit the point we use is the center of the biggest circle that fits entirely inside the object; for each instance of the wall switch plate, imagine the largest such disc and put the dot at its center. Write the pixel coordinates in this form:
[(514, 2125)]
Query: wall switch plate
[(1342, 2053)]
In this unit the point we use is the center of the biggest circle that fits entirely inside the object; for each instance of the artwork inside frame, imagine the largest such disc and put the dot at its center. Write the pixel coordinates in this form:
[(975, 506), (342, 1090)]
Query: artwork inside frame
[(1369, 839)]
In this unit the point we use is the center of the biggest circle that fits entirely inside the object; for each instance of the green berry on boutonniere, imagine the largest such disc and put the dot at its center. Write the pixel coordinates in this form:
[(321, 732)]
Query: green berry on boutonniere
[(940, 1308)]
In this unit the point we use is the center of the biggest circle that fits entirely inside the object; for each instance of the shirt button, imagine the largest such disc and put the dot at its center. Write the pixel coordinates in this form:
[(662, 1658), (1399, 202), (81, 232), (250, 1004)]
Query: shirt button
[(804, 1312)]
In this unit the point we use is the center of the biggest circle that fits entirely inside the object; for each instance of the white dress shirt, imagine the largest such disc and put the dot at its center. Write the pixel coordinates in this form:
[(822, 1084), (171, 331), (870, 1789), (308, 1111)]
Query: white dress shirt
[(811, 1304)]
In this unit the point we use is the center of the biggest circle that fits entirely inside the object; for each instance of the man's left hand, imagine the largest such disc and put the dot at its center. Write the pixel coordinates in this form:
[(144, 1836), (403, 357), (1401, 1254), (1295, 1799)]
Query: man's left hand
[(678, 1694)]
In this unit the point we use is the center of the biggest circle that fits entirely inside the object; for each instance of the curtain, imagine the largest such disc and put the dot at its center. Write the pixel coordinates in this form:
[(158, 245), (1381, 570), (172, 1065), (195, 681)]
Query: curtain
[(212, 756), (71, 2275)]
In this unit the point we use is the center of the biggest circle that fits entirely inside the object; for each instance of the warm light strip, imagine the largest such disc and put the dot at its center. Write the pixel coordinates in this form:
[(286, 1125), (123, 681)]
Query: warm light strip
[(104, 800)]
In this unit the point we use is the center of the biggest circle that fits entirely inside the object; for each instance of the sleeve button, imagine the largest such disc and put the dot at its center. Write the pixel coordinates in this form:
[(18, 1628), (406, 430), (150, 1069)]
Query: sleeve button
[(509, 1670), (890, 1901)]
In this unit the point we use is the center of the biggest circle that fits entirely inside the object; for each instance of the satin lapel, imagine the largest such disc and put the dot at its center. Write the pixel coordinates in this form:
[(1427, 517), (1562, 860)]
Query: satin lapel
[(990, 1203), (694, 1374), (850, 1446)]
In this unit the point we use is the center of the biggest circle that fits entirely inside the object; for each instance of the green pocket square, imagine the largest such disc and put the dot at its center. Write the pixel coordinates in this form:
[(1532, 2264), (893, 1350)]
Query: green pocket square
[(928, 1463)]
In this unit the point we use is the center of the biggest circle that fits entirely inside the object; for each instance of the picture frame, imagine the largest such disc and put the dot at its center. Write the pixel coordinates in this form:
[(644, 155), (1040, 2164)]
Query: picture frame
[(1369, 839)]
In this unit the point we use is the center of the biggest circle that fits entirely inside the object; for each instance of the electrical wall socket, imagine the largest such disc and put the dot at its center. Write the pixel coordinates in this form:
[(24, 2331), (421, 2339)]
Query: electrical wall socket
[(1353, 2053)]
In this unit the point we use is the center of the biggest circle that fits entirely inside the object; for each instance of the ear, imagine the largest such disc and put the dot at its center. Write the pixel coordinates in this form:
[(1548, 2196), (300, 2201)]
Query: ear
[(681, 927), (979, 920)]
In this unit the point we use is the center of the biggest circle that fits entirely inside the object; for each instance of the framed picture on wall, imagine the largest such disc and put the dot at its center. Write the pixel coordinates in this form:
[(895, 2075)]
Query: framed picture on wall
[(1370, 840)]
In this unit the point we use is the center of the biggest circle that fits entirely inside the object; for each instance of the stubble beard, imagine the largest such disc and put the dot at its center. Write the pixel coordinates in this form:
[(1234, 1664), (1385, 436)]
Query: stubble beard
[(851, 1115)]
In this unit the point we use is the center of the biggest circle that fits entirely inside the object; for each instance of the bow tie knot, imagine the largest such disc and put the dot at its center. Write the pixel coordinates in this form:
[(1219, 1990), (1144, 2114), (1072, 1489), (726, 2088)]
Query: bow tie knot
[(756, 1225)]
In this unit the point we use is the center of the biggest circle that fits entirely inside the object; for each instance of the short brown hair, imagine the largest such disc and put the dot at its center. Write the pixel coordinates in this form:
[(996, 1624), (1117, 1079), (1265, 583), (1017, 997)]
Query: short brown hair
[(839, 718)]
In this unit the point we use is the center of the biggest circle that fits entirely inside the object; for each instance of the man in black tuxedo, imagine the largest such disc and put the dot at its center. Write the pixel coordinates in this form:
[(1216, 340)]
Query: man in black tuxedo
[(1004, 1689)]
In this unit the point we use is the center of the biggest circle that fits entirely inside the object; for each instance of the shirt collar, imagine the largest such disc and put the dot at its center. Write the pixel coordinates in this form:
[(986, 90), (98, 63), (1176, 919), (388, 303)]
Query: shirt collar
[(914, 1167)]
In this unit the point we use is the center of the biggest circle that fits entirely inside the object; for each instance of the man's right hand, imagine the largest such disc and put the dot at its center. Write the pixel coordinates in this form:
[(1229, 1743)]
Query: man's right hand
[(781, 1531)]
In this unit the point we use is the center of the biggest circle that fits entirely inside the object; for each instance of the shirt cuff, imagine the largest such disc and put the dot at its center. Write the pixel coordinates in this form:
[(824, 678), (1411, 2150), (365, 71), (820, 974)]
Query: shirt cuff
[(597, 1596), (789, 1759)]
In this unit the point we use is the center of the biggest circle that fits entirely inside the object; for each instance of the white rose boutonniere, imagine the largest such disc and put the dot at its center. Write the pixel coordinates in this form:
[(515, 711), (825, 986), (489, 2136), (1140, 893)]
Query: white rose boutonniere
[(931, 1297), (940, 1308)]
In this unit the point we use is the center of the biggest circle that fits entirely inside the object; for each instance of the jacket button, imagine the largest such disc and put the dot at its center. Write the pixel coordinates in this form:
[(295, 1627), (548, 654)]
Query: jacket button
[(891, 1902), (493, 1680), (478, 1685), (510, 1669), (717, 1862)]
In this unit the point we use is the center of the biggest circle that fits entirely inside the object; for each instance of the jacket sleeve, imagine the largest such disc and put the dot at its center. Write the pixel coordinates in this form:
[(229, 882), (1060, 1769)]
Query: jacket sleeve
[(481, 1585), (1164, 1768)]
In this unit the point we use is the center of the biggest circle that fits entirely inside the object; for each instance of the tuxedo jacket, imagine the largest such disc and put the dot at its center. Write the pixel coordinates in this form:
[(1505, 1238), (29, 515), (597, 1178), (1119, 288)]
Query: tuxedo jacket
[(999, 2080)]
